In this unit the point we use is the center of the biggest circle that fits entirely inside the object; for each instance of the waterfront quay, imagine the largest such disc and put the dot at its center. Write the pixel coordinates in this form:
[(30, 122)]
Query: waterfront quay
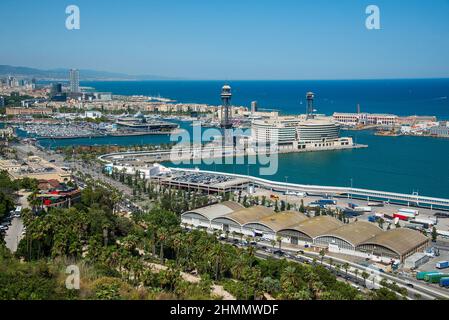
[(192, 154)]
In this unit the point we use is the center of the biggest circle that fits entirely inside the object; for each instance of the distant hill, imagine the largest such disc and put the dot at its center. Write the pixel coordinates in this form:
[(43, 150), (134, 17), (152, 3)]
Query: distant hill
[(63, 74)]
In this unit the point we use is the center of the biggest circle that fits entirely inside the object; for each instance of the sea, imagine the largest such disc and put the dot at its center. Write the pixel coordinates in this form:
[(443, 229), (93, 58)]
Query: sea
[(398, 164)]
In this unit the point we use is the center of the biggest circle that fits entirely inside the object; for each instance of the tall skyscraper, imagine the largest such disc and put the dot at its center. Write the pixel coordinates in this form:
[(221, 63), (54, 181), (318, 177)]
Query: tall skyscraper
[(74, 81), (253, 107)]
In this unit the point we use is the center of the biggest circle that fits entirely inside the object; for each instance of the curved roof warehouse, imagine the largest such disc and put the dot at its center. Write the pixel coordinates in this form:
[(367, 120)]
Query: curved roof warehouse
[(396, 243), (294, 228), (349, 236)]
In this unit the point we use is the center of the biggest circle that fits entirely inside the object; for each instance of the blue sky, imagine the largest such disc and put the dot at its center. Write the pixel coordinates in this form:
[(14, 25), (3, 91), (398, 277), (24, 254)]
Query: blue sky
[(233, 39)]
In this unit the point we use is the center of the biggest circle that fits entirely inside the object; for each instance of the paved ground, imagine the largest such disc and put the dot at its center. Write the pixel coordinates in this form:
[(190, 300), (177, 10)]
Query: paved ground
[(430, 266), (14, 234), (390, 209)]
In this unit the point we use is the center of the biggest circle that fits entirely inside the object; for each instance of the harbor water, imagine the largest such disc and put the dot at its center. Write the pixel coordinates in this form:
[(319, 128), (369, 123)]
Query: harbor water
[(400, 164)]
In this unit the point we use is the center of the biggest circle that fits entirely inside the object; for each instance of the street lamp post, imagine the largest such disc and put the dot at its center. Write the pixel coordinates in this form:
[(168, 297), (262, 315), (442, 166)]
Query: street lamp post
[(351, 188)]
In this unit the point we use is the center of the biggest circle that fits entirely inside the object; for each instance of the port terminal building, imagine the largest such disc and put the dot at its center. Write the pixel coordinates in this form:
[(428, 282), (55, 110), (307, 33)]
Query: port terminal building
[(362, 239), (298, 134)]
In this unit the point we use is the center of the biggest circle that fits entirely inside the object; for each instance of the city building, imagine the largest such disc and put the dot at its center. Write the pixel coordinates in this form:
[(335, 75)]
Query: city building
[(2, 101), (6, 133), (354, 119), (298, 133), (17, 111), (91, 114), (74, 78), (34, 167), (441, 130)]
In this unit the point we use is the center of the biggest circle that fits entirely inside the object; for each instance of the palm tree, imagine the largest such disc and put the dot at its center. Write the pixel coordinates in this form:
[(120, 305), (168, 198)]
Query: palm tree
[(162, 235), (273, 243), (322, 254), (279, 241), (217, 253), (365, 276), (346, 267), (177, 244)]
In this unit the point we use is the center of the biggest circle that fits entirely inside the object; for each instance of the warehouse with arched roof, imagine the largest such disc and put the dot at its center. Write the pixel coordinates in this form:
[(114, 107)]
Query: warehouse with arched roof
[(202, 217), (267, 227), (308, 230), (397, 243), (234, 221), (349, 236)]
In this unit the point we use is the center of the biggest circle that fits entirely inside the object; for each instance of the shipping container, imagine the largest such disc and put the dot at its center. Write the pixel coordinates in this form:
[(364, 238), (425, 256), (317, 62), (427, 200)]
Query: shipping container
[(401, 217), (363, 209), (327, 201), (429, 221), (375, 204), (420, 275), (444, 282), (406, 214), (424, 225), (435, 278), (442, 265), (372, 218), (412, 211)]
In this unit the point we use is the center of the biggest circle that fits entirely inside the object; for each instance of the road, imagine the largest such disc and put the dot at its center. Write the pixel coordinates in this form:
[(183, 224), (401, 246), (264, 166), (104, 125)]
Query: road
[(419, 289), (14, 234)]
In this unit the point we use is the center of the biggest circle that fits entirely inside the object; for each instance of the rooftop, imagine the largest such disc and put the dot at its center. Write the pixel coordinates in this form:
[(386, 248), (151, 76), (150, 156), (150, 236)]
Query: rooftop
[(217, 210), (400, 240), (247, 215), (282, 220), (317, 226), (356, 232)]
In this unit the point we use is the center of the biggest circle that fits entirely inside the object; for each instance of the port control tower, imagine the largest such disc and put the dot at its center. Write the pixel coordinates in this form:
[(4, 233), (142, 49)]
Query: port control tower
[(226, 117), (309, 112), (226, 95)]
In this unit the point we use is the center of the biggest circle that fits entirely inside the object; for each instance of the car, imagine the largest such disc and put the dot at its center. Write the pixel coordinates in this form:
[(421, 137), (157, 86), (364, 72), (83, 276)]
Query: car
[(410, 285), (301, 252), (278, 252)]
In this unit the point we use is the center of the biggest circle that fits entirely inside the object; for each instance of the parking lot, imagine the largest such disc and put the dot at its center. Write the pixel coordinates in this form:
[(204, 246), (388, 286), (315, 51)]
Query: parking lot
[(201, 178)]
